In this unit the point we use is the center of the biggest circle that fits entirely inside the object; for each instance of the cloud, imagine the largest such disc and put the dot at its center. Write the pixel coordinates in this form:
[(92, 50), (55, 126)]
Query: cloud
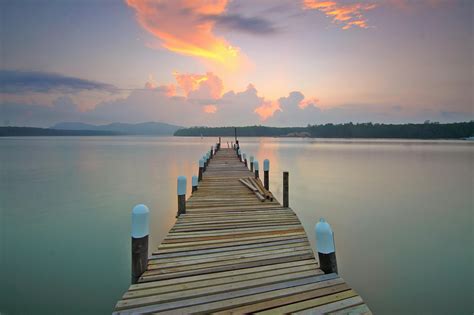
[(267, 109), (14, 81), (237, 22), (201, 101), (181, 28), (200, 86), (210, 109), (151, 84), (17, 114), (345, 14), (295, 110)]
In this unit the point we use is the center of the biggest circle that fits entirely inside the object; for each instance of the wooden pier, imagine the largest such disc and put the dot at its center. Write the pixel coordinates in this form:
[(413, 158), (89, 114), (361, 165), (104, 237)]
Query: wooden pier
[(232, 253)]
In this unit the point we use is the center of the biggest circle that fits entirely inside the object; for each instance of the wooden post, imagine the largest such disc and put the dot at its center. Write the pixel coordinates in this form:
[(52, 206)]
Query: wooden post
[(244, 156), (255, 167), (212, 151), (235, 134), (285, 189), (181, 195), (204, 157), (201, 169), (266, 175), (325, 247), (251, 163), (140, 231), (194, 183)]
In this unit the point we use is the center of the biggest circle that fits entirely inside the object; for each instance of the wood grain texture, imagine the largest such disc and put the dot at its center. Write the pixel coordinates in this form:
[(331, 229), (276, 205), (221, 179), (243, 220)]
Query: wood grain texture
[(235, 252)]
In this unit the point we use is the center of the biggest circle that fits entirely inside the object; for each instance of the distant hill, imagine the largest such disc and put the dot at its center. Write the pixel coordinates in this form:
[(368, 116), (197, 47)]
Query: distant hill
[(38, 132), (428, 130), (147, 128)]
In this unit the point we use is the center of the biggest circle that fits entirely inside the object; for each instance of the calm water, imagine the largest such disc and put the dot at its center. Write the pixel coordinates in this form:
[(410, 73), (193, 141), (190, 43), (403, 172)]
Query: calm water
[(402, 212)]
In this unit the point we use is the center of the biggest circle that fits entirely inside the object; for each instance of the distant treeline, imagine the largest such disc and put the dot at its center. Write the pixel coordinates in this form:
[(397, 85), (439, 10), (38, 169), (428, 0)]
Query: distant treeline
[(31, 131), (427, 130)]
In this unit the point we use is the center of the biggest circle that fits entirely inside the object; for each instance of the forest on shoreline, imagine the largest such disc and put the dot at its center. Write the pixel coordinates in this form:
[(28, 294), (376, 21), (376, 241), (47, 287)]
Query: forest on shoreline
[(427, 130)]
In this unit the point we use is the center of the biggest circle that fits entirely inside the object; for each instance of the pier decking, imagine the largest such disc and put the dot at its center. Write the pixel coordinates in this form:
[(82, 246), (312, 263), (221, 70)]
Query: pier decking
[(232, 253)]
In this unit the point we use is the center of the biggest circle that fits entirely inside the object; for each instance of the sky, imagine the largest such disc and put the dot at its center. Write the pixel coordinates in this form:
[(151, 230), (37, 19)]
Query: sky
[(236, 63)]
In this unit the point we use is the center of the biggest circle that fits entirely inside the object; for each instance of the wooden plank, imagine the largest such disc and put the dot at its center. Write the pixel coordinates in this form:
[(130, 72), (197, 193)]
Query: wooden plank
[(311, 304), (223, 280), (232, 273), (358, 309), (153, 276), (154, 307), (273, 303), (247, 300), (323, 309), (208, 290)]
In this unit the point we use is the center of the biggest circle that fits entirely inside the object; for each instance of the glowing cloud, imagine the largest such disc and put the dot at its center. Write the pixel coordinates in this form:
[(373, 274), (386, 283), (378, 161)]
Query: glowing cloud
[(308, 102), (267, 109), (200, 85), (182, 27), (345, 14), (210, 109)]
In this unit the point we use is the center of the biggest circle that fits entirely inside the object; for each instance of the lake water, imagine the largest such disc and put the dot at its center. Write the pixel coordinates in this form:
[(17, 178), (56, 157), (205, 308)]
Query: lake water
[(401, 211)]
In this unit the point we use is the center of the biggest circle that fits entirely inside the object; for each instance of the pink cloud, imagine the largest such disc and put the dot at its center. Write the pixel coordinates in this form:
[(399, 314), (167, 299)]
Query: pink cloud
[(210, 109), (200, 86), (308, 102), (345, 14), (267, 109)]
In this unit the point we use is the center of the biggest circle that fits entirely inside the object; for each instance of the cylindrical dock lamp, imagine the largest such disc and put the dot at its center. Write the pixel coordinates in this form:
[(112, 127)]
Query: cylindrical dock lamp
[(325, 247), (181, 195), (266, 175), (140, 231)]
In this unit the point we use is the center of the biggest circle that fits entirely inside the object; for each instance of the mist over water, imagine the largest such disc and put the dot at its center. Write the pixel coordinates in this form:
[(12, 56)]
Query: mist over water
[(401, 211)]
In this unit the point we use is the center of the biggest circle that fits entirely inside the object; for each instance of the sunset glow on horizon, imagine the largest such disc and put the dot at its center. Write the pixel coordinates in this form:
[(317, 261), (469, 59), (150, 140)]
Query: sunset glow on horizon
[(225, 62)]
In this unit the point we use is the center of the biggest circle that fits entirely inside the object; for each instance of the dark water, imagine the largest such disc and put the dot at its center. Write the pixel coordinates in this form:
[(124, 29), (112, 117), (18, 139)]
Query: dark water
[(402, 212)]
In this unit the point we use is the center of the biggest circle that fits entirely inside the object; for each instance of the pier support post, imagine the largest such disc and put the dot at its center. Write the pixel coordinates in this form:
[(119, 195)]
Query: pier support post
[(195, 183), (266, 176), (204, 157), (251, 163), (212, 151), (285, 189), (181, 195), (325, 247), (244, 157), (140, 231), (201, 169), (255, 167)]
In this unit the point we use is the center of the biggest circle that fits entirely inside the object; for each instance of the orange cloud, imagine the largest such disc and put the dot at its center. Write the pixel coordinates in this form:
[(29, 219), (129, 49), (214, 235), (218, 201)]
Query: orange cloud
[(210, 109), (307, 102), (267, 109), (345, 14), (200, 85), (182, 28)]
